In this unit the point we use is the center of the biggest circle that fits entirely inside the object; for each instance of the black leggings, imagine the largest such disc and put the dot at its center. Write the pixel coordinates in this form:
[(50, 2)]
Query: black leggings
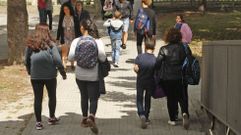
[(175, 94), (38, 86), (89, 91), (139, 38)]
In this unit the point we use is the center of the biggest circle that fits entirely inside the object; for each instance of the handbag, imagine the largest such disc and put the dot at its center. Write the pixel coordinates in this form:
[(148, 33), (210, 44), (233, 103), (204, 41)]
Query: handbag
[(104, 68), (158, 92)]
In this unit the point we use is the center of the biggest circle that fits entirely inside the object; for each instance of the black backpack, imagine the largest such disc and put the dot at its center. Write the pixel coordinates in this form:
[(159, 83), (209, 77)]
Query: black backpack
[(190, 68)]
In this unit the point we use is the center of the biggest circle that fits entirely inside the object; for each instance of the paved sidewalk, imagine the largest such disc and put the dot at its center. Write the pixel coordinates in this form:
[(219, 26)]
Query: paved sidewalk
[(116, 113)]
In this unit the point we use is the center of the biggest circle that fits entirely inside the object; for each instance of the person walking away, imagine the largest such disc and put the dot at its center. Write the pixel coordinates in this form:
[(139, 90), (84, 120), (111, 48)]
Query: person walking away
[(169, 66), (68, 29), (42, 60), (87, 53), (49, 12), (42, 11), (80, 12), (145, 84), (145, 24), (115, 26), (186, 32), (127, 16)]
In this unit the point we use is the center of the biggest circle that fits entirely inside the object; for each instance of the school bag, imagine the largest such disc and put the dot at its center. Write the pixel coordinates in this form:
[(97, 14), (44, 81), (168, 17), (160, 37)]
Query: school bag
[(108, 8), (86, 52), (108, 5), (142, 22), (190, 68)]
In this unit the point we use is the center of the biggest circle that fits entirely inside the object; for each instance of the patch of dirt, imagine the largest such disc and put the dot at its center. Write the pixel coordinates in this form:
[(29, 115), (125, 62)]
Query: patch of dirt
[(14, 84)]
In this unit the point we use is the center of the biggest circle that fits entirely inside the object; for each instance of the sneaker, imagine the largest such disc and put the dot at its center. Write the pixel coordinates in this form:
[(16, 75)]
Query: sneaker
[(53, 121), (84, 122), (123, 46), (185, 121), (143, 122), (148, 121), (39, 126), (116, 65), (172, 123), (92, 124)]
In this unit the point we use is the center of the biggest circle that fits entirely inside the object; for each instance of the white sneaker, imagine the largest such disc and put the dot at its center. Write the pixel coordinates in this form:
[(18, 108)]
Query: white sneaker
[(39, 126), (185, 121), (172, 123), (116, 65)]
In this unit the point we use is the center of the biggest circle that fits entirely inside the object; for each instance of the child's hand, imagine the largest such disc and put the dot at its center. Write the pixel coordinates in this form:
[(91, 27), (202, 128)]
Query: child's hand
[(136, 68)]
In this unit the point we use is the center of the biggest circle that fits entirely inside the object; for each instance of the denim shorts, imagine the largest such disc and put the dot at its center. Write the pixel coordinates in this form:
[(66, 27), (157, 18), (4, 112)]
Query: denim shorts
[(126, 24)]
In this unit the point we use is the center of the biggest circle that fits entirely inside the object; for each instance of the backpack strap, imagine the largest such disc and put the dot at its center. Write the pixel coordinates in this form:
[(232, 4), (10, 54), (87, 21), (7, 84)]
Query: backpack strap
[(178, 26)]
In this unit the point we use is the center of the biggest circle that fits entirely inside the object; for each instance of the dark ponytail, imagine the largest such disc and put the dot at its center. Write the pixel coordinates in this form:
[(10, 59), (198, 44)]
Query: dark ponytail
[(91, 27)]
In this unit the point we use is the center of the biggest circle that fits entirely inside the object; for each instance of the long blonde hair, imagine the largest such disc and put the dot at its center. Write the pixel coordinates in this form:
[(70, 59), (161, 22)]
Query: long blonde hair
[(40, 39)]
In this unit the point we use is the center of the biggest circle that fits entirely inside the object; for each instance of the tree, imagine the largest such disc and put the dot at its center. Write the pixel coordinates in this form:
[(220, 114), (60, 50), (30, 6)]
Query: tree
[(98, 8), (17, 29)]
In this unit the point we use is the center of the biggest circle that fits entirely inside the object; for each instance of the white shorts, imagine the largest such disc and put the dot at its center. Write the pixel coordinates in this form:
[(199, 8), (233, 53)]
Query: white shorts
[(126, 23)]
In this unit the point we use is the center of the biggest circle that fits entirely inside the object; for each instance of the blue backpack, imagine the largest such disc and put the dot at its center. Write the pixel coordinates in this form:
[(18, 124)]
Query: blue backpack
[(142, 22), (86, 52), (190, 68)]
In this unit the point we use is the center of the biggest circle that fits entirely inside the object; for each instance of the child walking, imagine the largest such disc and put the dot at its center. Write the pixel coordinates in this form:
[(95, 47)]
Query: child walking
[(115, 26), (144, 67)]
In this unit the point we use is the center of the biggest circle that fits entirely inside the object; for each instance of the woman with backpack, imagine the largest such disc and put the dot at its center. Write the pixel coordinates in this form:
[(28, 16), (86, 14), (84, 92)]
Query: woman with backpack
[(145, 24), (184, 29), (42, 60), (169, 66), (87, 52)]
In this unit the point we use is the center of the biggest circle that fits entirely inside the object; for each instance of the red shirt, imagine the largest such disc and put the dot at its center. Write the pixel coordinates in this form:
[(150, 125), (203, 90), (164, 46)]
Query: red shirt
[(42, 4)]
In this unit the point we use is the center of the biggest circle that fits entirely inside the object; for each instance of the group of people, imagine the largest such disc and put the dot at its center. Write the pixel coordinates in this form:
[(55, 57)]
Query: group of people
[(81, 42)]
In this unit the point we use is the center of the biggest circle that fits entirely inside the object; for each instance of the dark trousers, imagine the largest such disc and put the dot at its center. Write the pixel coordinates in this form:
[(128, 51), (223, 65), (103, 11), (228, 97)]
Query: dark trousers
[(50, 17), (175, 94), (143, 91), (42, 15), (89, 92), (185, 97), (38, 86), (139, 38)]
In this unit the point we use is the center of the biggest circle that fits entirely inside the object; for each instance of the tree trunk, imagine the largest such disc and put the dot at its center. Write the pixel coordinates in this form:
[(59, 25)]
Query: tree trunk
[(17, 29), (98, 8)]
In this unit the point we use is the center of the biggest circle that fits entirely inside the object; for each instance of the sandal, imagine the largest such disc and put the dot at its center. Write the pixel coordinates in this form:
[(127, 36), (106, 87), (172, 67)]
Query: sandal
[(123, 46)]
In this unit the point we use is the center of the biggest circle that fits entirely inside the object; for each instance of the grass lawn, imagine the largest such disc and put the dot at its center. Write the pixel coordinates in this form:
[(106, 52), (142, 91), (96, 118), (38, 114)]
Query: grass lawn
[(211, 26)]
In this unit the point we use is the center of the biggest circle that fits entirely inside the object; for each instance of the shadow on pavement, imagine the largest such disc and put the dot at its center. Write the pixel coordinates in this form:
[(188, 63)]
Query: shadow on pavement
[(15, 127)]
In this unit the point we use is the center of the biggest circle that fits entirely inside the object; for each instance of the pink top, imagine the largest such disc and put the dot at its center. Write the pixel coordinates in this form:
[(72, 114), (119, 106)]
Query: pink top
[(186, 33), (42, 4)]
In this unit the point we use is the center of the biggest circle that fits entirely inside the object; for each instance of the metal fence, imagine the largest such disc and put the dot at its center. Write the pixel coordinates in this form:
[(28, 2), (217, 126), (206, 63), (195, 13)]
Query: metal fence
[(195, 4), (221, 82)]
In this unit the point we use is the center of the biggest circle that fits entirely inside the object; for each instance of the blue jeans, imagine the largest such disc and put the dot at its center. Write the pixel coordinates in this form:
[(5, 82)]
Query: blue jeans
[(116, 43), (42, 15), (144, 91)]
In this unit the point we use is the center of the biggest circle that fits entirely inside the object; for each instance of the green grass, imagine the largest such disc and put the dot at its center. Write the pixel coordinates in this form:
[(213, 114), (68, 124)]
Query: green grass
[(208, 27), (212, 26)]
